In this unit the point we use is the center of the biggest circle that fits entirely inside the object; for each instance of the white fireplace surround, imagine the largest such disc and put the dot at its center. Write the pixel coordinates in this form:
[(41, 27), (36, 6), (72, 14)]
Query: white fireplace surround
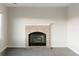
[(44, 28)]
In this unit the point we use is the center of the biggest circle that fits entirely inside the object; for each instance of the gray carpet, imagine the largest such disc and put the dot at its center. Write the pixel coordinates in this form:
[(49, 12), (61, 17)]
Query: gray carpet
[(39, 52)]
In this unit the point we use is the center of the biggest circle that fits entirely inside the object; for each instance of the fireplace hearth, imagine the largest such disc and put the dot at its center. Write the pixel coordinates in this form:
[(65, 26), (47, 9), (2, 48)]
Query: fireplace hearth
[(37, 39)]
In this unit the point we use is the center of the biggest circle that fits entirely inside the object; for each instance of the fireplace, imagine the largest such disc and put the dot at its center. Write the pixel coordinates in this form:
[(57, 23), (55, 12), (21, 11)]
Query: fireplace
[(38, 35), (37, 39)]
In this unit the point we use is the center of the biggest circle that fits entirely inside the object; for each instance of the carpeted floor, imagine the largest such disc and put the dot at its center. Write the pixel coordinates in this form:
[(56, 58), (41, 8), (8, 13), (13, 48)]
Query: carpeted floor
[(39, 52)]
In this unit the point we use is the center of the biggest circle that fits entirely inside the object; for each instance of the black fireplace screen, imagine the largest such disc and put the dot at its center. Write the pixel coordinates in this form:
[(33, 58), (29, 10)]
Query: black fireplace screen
[(37, 39)]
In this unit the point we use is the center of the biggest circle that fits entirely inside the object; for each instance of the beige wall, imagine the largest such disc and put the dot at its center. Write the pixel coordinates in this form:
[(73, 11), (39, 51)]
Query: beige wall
[(73, 27), (19, 17), (3, 39)]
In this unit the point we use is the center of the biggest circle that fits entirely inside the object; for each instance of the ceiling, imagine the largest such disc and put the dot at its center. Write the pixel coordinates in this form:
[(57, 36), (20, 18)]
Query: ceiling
[(35, 4)]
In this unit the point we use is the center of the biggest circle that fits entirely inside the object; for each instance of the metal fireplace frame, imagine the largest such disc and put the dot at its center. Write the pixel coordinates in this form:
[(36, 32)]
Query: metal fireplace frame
[(37, 39)]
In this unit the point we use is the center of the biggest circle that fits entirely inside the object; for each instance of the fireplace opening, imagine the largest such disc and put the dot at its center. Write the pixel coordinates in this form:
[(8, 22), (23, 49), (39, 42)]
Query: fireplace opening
[(37, 39)]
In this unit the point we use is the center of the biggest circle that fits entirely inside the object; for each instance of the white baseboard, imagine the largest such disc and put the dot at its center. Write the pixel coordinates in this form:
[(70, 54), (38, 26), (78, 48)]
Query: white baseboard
[(73, 50), (58, 46), (3, 49), (16, 47), (28, 47)]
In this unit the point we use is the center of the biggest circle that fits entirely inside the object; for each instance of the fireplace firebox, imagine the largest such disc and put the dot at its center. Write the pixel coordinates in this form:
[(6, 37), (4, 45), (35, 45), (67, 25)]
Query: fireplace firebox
[(37, 39)]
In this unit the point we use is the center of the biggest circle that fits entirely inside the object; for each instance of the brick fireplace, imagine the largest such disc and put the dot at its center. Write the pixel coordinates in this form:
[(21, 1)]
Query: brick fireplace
[(38, 35)]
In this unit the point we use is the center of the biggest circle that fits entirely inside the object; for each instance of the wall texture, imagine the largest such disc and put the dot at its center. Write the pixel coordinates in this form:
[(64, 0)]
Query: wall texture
[(73, 27), (3, 39), (21, 16)]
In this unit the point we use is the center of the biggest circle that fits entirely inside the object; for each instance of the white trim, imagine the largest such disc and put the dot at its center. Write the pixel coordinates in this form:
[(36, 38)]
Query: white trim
[(17, 47), (58, 45), (1, 50), (28, 46), (73, 50)]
